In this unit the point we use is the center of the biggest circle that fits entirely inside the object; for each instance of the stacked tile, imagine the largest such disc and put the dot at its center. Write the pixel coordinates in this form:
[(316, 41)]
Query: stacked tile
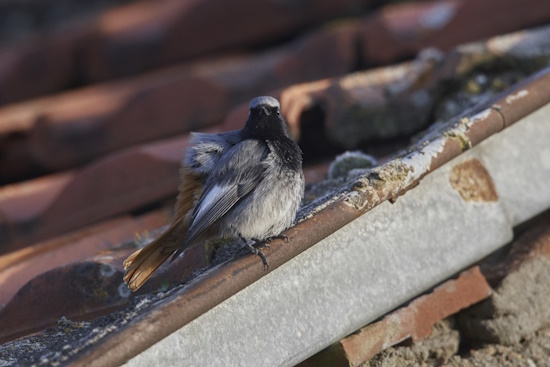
[(52, 205), (145, 35), (66, 130)]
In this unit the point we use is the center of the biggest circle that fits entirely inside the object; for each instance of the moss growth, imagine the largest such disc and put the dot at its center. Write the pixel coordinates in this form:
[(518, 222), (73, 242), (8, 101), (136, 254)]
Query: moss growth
[(164, 286), (465, 143), (100, 293), (499, 85), (472, 87), (480, 77), (488, 63), (349, 161)]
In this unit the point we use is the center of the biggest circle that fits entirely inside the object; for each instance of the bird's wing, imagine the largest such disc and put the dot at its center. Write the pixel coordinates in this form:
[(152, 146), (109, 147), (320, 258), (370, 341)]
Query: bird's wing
[(207, 149), (237, 174)]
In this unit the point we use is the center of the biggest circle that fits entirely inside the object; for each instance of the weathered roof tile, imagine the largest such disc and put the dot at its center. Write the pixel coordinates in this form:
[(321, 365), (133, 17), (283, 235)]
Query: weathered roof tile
[(49, 206)]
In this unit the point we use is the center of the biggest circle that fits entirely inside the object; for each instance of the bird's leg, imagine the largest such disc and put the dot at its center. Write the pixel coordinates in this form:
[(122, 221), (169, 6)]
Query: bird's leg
[(255, 251)]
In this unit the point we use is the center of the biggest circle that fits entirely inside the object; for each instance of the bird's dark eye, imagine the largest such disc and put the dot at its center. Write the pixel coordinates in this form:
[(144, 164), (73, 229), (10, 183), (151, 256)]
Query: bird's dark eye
[(278, 112)]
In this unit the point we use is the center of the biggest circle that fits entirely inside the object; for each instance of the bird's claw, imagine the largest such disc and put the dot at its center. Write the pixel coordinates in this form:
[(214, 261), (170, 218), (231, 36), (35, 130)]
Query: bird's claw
[(256, 251), (261, 255), (282, 237), (259, 244)]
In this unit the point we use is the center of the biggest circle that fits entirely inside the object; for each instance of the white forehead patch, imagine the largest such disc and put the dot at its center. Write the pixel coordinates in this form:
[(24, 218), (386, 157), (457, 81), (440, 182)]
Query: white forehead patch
[(264, 100)]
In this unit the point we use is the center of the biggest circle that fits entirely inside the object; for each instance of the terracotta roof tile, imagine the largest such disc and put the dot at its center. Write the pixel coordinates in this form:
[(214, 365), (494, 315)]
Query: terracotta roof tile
[(79, 275), (42, 208), (402, 30), (137, 37), (18, 267), (59, 132), (414, 320), (40, 65)]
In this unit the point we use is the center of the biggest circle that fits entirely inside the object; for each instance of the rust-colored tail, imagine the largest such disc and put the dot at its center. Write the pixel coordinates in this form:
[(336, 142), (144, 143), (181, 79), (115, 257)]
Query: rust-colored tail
[(142, 264)]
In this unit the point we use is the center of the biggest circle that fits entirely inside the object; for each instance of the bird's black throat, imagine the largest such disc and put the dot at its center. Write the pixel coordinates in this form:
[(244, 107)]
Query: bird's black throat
[(272, 128), (289, 152)]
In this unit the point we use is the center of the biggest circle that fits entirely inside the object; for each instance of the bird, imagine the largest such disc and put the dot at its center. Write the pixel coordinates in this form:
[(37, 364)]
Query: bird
[(244, 184)]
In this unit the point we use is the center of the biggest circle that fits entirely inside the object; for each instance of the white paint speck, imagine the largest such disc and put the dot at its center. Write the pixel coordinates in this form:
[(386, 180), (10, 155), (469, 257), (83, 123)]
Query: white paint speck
[(521, 94), (419, 162), (298, 334), (478, 117)]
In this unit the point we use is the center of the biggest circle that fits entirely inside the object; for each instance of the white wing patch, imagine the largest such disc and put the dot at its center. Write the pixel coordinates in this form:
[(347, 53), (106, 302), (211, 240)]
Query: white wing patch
[(209, 200)]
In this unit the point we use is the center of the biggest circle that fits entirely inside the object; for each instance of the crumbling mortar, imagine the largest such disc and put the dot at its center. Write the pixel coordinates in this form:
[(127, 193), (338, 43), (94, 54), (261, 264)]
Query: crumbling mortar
[(378, 184)]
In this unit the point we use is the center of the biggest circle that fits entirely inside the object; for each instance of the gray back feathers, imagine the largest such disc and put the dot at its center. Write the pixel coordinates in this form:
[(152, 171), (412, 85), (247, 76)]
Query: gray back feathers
[(207, 149)]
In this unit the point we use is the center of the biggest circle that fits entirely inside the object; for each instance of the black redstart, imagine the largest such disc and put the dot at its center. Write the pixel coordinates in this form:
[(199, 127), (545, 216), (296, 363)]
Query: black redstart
[(245, 183)]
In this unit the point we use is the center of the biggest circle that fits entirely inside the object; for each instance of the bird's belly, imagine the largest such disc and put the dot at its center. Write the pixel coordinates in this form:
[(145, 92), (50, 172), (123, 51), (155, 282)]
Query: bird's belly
[(266, 213)]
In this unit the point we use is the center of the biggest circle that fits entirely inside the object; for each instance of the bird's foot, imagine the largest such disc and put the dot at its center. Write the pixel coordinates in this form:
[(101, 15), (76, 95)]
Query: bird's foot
[(256, 251), (261, 255), (259, 244)]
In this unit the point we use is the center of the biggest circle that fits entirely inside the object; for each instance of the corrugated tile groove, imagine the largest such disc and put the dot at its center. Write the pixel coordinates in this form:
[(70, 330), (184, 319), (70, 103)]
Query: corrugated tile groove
[(54, 52), (112, 44), (404, 29), (369, 190), (18, 267), (110, 116), (130, 31)]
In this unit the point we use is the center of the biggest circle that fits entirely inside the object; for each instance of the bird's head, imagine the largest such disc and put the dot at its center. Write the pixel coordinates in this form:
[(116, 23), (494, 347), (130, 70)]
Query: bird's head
[(265, 120)]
